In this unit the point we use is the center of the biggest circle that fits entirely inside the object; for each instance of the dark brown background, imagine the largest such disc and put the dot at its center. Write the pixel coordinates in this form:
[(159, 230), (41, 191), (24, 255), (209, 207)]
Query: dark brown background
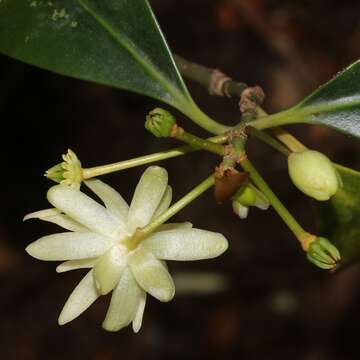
[(278, 306)]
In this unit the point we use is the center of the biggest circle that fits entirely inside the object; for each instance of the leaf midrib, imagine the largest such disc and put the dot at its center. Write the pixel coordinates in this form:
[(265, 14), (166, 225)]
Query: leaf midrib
[(324, 108), (133, 51)]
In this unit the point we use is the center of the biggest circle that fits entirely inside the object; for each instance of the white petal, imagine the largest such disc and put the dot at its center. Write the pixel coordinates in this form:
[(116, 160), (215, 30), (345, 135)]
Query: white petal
[(55, 216), (174, 226), (76, 264), (69, 246), (108, 269), (148, 194), (113, 201), (187, 244), (243, 212), (164, 203), (80, 299), (139, 312), (84, 210), (124, 301), (151, 274)]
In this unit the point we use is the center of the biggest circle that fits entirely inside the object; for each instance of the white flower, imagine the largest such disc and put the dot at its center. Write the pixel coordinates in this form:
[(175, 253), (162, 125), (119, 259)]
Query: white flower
[(100, 238)]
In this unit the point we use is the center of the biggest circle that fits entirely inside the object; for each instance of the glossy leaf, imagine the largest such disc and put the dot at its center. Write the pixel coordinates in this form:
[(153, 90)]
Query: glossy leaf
[(339, 217), (335, 104), (113, 42)]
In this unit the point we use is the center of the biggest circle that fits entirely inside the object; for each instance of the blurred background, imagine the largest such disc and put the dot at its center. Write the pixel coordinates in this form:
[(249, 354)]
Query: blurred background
[(271, 303)]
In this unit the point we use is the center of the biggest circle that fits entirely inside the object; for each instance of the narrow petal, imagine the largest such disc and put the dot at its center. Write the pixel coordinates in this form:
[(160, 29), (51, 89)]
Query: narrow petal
[(80, 299), (151, 274), (243, 212), (76, 264), (148, 194), (84, 210), (175, 226), (113, 201), (186, 244), (108, 269), (139, 312), (164, 203), (123, 304), (55, 216), (69, 246)]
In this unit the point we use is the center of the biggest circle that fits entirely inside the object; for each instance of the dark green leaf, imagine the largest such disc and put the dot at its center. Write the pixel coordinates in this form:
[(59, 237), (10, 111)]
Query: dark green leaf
[(335, 104), (339, 217), (112, 42)]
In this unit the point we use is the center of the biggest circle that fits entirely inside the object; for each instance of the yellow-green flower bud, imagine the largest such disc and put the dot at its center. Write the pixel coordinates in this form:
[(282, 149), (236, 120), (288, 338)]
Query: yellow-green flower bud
[(69, 172), (314, 174), (247, 196), (323, 253), (160, 122)]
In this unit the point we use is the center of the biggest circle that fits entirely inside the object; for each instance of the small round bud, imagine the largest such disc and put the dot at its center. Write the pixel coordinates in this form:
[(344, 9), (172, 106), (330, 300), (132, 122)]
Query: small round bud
[(314, 174), (69, 172), (160, 122), (323, 253), (247, 196)]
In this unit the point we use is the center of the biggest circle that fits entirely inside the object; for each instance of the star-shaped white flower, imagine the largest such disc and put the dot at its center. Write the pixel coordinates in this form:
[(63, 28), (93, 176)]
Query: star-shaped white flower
[(100, 238)]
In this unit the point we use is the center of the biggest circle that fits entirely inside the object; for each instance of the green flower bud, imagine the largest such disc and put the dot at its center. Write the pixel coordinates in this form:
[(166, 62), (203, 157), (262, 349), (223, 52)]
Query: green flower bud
[(248, 195), (245, 196), (55, 173), (314, 174), (323, 253), (160, 122), (69, 172)]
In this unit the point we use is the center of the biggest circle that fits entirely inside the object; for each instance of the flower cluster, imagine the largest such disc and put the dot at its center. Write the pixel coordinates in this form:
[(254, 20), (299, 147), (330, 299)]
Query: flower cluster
[(103, 239)]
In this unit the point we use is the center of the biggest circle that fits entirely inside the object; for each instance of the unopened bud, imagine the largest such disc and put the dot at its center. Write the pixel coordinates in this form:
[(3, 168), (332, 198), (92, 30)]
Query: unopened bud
[(69, 172), (160, 122), (323, 253), (314, 174), (248, 195)]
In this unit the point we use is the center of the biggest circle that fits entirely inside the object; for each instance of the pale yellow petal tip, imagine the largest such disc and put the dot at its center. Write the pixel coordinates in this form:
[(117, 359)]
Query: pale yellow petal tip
[(28, 216), (223, 245), (158, 171), (108, 325), (136, 327), (61, 268), (32, 250), (165, 295), (42, 214), (52, 193), (62, 320)]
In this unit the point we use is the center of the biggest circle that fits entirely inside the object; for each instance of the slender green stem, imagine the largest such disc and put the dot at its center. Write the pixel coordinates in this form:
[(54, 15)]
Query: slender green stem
[(278, 119), (269, 140), (179, 205), (146, 159), (203, 75), (289, 220), (197, 142), (203, 120), (289, 140)]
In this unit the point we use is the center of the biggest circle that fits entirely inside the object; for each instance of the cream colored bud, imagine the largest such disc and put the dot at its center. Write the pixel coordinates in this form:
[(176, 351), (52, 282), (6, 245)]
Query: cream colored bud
[(314, 174)]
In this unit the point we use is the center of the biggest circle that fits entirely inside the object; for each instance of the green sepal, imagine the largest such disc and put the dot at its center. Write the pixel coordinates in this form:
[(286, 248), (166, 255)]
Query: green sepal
[(160, 122)]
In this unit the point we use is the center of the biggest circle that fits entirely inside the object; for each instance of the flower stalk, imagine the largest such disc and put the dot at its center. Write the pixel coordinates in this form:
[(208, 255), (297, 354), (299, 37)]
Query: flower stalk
[(175, 208), (92, 172)]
